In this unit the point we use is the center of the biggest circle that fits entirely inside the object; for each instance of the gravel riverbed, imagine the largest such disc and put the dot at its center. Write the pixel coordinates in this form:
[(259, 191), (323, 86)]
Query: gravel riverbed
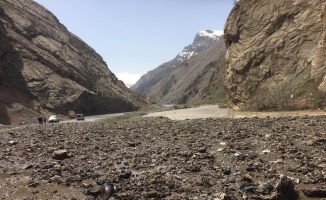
[(159, 158)]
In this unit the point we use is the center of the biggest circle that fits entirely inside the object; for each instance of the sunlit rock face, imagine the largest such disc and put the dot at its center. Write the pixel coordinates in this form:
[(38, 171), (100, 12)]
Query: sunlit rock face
[(275, 45), (45, 69)]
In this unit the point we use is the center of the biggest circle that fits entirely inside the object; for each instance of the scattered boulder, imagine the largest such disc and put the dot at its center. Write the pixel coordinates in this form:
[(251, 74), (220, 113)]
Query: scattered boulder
[(315, 192), (285, 189), (170, 161), (71, 114)]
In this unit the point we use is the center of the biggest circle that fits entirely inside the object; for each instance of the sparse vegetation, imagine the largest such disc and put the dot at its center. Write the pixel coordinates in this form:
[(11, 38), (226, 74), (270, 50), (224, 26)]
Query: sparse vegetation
[(221, 102), (103, 88), (125, 116), (288, 96), (181, 106), (167, 86)]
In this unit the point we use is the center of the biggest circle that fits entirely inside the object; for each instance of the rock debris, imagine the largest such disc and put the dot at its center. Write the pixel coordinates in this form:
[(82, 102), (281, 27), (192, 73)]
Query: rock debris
[(158, 158)]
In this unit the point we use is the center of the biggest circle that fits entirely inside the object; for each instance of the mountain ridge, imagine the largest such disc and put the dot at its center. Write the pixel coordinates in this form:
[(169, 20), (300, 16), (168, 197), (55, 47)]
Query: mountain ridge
[(202, 41), (199, 80), (45, 69)]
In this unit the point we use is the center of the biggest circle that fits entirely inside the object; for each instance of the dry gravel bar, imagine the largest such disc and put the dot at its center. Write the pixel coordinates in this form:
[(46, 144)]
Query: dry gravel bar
[(159, 158)]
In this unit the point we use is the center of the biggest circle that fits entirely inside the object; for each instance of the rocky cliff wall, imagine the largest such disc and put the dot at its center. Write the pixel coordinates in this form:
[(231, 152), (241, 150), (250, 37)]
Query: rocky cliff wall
[(45, 69), (276, 49)]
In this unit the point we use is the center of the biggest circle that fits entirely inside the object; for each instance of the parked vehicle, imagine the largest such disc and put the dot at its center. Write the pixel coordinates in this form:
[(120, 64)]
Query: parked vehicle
[(53, 119), (80, 117)]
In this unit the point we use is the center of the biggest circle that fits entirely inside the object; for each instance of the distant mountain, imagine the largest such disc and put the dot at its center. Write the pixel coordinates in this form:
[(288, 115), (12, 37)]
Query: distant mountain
[(45, 69), (199, 80), (203, 40)]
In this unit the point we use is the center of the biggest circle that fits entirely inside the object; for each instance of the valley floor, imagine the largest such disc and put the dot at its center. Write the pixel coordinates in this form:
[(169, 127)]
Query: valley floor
[(214, 111), (160, 158)]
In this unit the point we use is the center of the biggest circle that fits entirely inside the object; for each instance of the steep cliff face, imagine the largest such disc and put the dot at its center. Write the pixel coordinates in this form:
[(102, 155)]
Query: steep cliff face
[(276, 52), (46, 69), (203, 40), (198, 80)]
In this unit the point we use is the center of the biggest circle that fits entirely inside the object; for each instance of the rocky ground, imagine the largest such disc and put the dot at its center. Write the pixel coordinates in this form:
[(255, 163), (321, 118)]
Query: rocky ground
[(157, 158)]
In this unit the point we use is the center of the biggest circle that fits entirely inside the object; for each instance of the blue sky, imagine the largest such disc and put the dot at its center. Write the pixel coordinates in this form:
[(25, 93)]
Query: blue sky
[(136, 36)]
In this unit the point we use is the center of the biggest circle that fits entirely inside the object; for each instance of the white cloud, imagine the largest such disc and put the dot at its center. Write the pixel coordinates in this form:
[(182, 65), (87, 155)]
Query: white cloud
[(127, 78)]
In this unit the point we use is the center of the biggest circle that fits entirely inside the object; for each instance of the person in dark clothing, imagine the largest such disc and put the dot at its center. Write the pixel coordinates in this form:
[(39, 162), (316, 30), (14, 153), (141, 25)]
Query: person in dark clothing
[(44, 120), (40, 120)]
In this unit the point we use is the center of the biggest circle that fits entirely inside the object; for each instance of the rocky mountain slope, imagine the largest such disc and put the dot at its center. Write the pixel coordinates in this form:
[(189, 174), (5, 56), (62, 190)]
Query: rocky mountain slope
[(276, 54), (203, 40), (45, 69), (197, 80)]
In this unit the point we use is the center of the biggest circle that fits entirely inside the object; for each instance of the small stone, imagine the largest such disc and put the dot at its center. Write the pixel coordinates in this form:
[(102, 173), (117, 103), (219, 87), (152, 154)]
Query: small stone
[(125, 175), (152, 194), (27, 166), (95, 191), (60, 154), (202, 150), (247, 178), (131, 144), (11, 142), (109, 189), (33, 184), (226, 171)]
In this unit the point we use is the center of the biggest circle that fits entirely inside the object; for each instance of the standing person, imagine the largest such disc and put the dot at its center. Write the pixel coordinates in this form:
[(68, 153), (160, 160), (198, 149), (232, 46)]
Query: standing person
[(44, 120), (40, 120)]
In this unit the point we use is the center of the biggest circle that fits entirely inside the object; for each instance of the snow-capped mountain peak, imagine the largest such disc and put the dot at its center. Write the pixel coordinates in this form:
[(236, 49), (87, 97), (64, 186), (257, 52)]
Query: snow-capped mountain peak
[(202, 41), (210, 33)]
